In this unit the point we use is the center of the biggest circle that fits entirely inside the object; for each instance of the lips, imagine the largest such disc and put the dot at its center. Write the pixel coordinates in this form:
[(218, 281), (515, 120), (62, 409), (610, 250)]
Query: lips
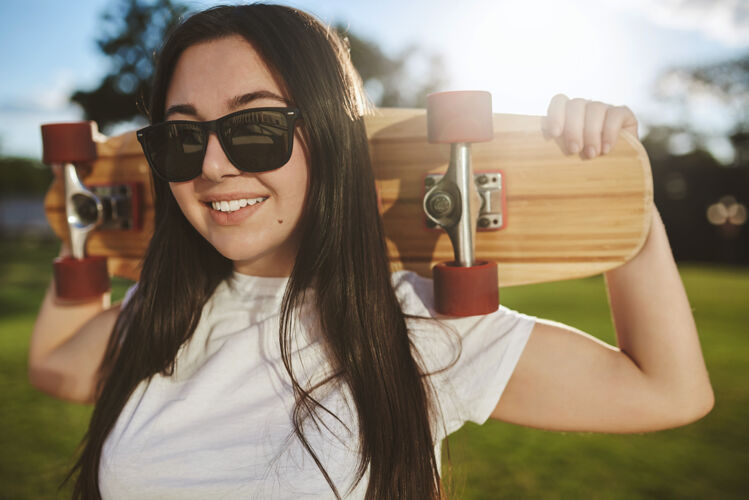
[(210, 199), (234, 205), (232, 208)]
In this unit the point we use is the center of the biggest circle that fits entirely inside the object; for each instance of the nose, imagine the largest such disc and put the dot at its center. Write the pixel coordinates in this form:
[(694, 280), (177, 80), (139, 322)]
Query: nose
[(216, 165)]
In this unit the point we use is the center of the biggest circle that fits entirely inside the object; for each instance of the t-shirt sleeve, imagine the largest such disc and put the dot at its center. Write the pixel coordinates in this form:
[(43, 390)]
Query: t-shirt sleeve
[(470, 359)]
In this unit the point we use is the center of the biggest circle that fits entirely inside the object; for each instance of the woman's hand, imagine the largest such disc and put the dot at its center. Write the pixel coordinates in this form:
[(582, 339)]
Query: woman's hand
[(587, 127)]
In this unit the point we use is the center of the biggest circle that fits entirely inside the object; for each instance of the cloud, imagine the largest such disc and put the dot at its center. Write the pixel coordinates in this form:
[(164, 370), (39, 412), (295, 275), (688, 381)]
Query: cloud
[(21, 115), (726, 21), (53, 97)]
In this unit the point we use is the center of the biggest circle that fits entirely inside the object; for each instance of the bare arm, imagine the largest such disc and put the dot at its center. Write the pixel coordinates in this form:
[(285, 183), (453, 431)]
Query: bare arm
[(567, 380), (68, 344)]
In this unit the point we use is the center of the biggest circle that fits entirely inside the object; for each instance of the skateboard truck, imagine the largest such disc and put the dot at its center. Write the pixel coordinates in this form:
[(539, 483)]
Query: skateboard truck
[(490, 188), (464, 286), (77, 277)]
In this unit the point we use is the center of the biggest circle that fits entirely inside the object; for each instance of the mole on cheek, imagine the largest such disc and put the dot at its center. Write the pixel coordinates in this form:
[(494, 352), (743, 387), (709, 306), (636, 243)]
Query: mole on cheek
[(280, 221)]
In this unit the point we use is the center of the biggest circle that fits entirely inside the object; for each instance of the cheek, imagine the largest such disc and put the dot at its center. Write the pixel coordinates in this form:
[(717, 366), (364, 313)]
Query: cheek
[(301, 190), (292, 181), (177, 192), (301, 171), (182, 193)]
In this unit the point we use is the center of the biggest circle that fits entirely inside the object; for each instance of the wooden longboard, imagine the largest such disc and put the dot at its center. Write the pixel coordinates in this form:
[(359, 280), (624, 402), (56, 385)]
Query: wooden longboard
[(564, 217)]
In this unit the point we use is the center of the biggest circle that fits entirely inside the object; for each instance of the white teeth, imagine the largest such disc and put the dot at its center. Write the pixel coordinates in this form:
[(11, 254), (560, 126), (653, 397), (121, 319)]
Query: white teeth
[(234, 205)]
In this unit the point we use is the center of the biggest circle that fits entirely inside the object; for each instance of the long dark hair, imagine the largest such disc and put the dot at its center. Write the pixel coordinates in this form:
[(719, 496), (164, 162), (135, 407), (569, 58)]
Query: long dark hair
[(342, 256)]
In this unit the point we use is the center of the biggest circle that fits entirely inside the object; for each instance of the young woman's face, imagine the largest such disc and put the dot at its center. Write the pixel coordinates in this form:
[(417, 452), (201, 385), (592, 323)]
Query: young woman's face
[(210, 80)]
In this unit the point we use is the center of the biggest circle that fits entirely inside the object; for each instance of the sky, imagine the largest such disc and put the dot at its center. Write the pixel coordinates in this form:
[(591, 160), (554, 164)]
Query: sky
[(522, 51)]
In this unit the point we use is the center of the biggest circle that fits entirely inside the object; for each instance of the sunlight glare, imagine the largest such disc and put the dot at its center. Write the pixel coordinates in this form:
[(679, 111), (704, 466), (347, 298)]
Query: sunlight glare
[(524, 52)]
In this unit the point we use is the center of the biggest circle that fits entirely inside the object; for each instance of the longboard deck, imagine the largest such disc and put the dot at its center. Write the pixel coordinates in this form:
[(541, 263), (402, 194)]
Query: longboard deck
[(565, 217)]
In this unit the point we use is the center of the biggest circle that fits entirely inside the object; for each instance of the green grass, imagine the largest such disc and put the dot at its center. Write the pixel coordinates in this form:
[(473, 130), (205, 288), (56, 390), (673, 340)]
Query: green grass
[(38, 434), (707, 459)]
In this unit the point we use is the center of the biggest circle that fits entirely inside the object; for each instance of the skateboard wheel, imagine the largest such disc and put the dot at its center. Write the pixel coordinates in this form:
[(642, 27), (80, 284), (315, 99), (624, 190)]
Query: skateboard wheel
[(466, 291), (81, 279), (68, 143), (460, 116)]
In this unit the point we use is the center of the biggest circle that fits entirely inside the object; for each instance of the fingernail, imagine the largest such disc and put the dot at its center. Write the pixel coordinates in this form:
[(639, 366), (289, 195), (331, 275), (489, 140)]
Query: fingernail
[(555, 130), (606, 148), (573, 147), (590, 151)]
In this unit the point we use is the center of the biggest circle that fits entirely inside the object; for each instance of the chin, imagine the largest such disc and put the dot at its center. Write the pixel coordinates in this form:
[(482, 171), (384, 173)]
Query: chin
[(236, 253), (259, 253), (245, 255)]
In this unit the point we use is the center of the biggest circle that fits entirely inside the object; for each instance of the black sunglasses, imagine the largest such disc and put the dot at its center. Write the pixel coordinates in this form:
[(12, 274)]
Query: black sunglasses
[(254, 140)]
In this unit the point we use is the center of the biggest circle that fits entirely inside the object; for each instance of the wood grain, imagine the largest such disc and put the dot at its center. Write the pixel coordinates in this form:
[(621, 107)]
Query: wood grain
[(565, 217)]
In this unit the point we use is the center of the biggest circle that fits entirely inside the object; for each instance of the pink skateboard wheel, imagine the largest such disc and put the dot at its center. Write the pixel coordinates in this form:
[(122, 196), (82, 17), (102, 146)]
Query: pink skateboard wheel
[(460, 116), (81, 279), (466, 291), (68, 143)]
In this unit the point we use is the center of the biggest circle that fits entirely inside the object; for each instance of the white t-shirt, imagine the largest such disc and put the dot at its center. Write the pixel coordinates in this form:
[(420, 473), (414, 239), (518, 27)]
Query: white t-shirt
[(221, 427)]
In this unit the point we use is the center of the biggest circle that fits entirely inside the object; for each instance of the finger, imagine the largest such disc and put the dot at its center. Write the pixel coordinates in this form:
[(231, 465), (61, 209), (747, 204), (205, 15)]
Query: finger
[(617, 118), (595, 113), (629, 122), (554, 121), (574, 119)]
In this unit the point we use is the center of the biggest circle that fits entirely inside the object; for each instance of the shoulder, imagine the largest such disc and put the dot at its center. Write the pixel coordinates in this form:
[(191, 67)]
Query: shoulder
[(415, 293), (436, 337), (468, 360), (416, 296)]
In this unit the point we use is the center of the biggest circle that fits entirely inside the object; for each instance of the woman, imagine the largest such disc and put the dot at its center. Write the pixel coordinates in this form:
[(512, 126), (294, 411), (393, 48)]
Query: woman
[(267, 351)]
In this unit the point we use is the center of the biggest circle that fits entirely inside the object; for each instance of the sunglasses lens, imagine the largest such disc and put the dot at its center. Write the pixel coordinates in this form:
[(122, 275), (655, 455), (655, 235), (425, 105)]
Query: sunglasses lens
[(176, 150), (257, 141)]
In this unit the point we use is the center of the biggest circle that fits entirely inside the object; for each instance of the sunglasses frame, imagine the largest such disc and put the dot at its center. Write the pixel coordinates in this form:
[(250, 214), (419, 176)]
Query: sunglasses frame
[(214, 126)]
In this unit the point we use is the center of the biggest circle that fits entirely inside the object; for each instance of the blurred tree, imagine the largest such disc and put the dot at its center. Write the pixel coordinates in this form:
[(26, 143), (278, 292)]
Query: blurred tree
[(686, 187), (689, 186), (23, 176), (728, 80), (403, 80), (725, 86), (133, 31)]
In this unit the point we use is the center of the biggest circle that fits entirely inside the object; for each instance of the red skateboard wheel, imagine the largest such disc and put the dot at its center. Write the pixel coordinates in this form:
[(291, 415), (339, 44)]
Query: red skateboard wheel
[(68, 143), (466, 291), (81, 279), (460, 116)]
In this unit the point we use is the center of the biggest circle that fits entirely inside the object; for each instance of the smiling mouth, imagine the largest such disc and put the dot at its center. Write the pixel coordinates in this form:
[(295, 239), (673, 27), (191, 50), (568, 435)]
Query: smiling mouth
[(234, 205)]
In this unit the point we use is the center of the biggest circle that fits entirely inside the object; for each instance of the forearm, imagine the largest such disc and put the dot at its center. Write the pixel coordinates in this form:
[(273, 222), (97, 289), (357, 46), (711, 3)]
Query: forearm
[(68, 344), (58, 321), (654, 322)]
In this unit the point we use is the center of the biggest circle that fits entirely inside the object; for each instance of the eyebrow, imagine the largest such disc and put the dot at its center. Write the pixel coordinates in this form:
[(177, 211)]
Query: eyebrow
[(233, 103)]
